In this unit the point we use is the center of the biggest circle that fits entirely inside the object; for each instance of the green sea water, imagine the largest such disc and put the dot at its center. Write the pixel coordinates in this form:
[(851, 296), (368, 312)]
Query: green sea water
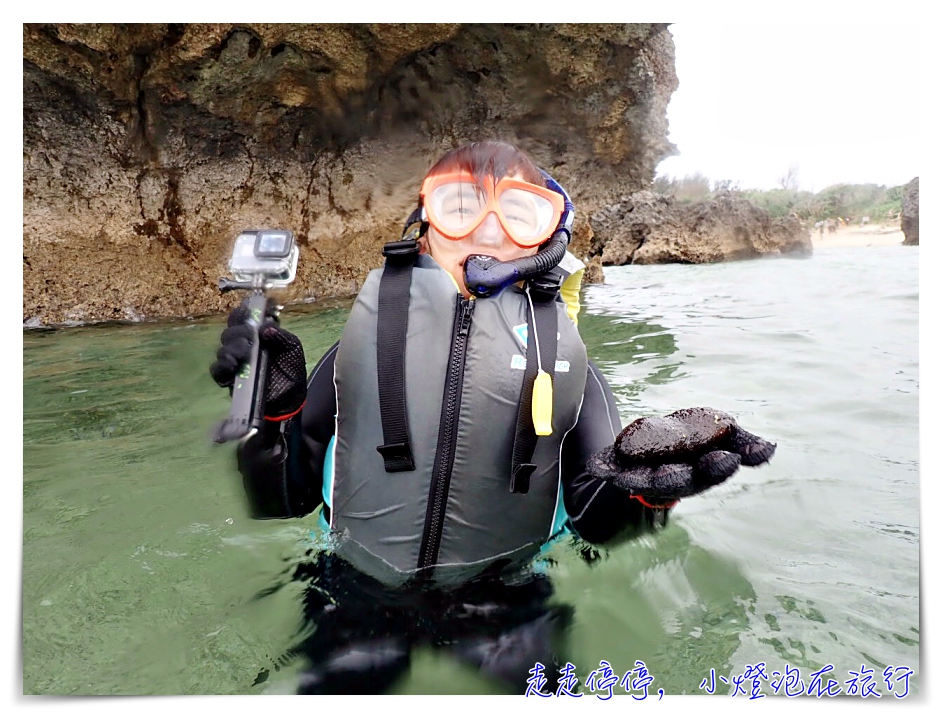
[(142, 573)]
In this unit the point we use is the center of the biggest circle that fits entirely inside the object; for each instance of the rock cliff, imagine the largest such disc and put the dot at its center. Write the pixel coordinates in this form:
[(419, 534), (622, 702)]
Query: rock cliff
[(909, 217), (650, 228), (148, 147)]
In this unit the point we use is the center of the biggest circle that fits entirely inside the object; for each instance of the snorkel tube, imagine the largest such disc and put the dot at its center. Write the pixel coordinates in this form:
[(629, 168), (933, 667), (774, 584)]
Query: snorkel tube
[(485, 275)]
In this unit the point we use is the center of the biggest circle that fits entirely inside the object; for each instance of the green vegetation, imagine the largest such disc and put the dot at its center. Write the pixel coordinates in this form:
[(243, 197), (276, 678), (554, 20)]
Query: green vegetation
[(850, 201)]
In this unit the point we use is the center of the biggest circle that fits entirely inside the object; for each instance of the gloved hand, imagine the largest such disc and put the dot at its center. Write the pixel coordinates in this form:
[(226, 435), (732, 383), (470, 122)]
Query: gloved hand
[(286, 383), (683, 454)]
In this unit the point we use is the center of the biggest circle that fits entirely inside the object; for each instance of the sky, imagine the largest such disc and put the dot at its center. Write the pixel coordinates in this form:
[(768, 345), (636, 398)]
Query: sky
[(838, 100)]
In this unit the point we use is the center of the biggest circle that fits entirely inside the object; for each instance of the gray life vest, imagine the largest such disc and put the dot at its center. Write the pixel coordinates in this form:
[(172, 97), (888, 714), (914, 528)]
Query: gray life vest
[(458, 493)]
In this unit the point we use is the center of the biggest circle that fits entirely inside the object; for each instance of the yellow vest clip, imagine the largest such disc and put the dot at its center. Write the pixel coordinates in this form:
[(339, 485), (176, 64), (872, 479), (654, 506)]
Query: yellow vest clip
[(543, 404)]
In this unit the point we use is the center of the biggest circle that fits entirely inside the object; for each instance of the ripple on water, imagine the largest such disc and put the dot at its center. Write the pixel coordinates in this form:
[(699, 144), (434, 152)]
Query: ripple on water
[(811, 559)]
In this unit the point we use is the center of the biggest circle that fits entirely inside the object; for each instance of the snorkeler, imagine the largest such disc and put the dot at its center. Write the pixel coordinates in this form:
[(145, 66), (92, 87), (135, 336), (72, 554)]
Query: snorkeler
[(456, 427)]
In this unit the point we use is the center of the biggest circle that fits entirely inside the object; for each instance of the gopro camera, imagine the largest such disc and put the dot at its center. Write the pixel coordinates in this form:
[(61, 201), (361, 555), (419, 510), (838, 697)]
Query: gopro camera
[(264, 256)]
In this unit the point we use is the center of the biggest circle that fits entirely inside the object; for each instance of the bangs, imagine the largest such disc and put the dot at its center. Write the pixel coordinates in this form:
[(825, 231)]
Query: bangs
[(489, 159)]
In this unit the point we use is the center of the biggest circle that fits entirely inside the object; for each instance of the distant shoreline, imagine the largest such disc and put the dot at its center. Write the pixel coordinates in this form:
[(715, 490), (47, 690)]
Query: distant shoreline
[(871, 235)]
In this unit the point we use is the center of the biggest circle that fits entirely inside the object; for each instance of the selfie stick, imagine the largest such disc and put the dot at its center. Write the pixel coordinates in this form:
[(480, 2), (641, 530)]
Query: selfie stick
[(248, 389), (262, 259)]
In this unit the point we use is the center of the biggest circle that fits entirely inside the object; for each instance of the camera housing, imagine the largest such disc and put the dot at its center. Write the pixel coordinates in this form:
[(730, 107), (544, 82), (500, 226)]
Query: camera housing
[(266, 256)]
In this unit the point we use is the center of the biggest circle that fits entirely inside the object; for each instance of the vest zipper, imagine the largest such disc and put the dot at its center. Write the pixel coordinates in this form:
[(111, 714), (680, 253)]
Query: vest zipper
[(447, 438)]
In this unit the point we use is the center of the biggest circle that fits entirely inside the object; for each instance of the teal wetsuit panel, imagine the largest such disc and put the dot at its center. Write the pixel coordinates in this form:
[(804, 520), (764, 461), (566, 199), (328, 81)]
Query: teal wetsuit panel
[(561, 517), (327, 481)]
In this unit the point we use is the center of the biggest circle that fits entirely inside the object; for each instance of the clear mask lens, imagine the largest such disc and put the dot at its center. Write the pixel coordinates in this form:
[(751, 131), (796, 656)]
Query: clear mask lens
[(458, 206), (527, 215)]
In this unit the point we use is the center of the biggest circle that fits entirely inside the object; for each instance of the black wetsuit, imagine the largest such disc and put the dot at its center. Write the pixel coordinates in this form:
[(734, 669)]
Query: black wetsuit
[(364, 629)]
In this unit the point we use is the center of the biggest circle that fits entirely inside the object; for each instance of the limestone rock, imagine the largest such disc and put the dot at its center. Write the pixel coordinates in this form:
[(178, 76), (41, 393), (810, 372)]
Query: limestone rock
[(148, 147), (593, 271), (909, 217), (649, 228)]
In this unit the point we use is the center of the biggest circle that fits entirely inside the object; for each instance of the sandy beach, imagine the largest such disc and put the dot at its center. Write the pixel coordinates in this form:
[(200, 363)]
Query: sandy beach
[(871, 235)]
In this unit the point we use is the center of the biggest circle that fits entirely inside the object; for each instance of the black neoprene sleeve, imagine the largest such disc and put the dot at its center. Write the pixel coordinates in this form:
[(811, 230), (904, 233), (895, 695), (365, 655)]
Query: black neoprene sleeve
[(282, 466), (598, 510)]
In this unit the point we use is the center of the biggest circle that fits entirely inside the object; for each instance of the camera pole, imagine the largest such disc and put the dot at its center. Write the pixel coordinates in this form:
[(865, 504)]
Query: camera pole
[(248, 390), (261, 259)]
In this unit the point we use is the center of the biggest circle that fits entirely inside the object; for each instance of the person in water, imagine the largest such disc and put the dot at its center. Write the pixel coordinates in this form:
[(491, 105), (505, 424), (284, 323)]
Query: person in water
[(446, 437)]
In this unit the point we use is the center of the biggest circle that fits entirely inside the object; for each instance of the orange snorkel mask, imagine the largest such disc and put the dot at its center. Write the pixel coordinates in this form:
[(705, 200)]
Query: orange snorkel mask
[(457, 210), (457, 203)]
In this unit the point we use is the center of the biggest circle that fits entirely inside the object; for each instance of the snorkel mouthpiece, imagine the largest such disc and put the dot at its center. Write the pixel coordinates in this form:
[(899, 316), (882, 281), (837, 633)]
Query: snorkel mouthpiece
[(485, 276)]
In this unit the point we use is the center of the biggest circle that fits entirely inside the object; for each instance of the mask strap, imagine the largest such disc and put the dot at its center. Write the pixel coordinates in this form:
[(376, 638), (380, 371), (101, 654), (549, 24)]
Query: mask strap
[(416, 225)]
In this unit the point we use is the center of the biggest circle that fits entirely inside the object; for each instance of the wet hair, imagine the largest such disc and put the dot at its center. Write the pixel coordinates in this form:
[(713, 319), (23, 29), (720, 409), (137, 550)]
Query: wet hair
[(489, 159)]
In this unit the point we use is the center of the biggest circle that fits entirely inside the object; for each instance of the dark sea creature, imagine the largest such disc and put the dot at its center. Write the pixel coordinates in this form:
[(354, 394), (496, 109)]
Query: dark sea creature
[(680, 454)]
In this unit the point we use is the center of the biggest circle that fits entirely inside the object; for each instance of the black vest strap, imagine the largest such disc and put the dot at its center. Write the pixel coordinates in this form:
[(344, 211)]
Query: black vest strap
[(545, 323), (392, 324)]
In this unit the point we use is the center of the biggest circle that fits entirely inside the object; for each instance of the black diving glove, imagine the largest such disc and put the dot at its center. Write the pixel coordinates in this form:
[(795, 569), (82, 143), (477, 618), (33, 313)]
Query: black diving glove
[(286, 383), (683, 454)]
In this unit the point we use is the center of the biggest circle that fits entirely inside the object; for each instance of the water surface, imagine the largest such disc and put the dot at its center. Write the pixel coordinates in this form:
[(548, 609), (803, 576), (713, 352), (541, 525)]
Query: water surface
[(143, 575)]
